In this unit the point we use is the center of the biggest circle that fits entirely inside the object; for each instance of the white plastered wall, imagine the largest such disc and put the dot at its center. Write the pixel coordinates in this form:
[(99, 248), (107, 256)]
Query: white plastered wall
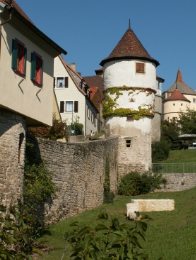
[(174, 108), (123, 73), (119, 73)]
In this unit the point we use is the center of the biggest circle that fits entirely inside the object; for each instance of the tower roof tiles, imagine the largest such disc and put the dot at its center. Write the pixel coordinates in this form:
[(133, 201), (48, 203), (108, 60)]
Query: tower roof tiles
[(129, 47), (176, 95)]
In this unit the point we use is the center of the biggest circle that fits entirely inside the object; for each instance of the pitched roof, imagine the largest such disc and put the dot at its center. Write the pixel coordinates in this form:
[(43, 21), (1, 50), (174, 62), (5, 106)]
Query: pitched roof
[(181, 85), (77, 79), (96, 81), (12, 6), (176, 95), (96, 89), (129, 47)]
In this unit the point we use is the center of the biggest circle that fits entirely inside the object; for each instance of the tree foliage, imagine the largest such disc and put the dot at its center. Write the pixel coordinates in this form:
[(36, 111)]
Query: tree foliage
[(170, 131), (109, 239), (136, 184), (58, 130), (187, 122)]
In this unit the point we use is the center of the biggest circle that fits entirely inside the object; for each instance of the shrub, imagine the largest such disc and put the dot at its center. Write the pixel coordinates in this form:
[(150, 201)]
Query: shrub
[(109, 239), (58, 130), (76, 128), (160, 151), (15, 239), (135, 183)]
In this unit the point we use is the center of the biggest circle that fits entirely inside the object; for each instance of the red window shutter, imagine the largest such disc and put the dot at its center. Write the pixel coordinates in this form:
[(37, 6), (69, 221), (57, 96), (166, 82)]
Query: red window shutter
[(21, 59), (39, 72)]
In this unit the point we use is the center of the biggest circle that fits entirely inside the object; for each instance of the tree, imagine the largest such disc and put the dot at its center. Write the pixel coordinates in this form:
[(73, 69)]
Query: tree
[(187, 122), (170, 131)]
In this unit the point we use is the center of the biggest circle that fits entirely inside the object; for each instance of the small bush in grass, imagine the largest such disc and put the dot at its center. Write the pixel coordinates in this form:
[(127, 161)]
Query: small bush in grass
[(109, 239), (135, 183)]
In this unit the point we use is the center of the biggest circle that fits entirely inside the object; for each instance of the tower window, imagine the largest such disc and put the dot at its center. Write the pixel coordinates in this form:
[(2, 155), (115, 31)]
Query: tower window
[(140, 68), (128, 142)]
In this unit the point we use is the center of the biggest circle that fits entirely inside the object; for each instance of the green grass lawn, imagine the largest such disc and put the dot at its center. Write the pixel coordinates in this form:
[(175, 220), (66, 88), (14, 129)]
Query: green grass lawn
[(170, 235), (179, 161), (179, 156)]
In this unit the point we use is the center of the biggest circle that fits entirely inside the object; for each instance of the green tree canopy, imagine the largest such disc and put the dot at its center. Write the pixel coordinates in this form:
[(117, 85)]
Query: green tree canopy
[(187, 122)]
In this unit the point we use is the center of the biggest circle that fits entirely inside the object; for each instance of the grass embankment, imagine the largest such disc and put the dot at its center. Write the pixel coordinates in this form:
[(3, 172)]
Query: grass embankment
[(181, 156), (179, 161), (170, 235)]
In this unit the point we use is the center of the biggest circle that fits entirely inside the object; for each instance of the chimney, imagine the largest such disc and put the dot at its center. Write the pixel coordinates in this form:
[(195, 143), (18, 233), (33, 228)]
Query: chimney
[(73, 66)]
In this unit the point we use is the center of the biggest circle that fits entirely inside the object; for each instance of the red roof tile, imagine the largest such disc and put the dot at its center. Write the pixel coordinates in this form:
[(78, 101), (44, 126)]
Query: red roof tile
[(96, 81), (129, 47), (176, 95)]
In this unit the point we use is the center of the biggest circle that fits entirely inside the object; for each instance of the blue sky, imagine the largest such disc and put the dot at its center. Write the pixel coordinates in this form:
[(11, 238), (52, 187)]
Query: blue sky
[(89, 29)]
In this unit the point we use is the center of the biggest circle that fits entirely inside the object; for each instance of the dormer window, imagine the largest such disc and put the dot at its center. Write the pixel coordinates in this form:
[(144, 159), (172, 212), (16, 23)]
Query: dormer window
[(61, 82), (19, 53), (36, 69), (140, 67)]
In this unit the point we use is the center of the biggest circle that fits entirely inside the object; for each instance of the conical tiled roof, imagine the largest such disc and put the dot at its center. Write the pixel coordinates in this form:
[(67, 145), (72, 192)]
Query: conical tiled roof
[(129, 47), (176, 95), (181, 85)]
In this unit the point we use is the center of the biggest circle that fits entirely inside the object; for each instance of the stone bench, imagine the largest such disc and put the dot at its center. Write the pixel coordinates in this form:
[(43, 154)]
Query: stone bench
[(148, 205)]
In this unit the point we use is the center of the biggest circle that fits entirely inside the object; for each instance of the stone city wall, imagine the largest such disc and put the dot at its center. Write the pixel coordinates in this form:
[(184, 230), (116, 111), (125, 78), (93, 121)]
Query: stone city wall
[(179, 181), (78, 171), (12, 150)]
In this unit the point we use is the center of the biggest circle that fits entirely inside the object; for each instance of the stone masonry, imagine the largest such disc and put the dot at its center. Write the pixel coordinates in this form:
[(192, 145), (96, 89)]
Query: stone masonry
[(179, 181), (78, 171), (12, 150)]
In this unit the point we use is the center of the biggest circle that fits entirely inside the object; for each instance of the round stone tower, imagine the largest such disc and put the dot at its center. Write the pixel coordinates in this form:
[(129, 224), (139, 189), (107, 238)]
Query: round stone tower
[(128, 108)]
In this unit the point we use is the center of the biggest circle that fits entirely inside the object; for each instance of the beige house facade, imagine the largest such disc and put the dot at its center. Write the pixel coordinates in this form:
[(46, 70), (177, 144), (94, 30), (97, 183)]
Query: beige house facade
[(73, 97), (26, 87)]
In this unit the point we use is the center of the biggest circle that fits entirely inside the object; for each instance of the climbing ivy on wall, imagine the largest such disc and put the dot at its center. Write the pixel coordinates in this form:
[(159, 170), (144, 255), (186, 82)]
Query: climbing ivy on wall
[(110, 104)]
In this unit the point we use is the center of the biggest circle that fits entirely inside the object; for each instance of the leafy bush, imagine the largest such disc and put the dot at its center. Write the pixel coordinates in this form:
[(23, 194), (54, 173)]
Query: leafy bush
[(76, 128), (135, 183), (38, 191), (109, 239), (15, 241), (160, 151), (58, 130)]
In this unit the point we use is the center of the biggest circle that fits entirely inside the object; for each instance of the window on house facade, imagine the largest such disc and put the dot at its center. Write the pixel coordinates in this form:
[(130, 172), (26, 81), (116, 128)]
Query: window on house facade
[(68, 106), (61, 82), (36, 69), (194, 100), (19, 54), (140, 68)]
